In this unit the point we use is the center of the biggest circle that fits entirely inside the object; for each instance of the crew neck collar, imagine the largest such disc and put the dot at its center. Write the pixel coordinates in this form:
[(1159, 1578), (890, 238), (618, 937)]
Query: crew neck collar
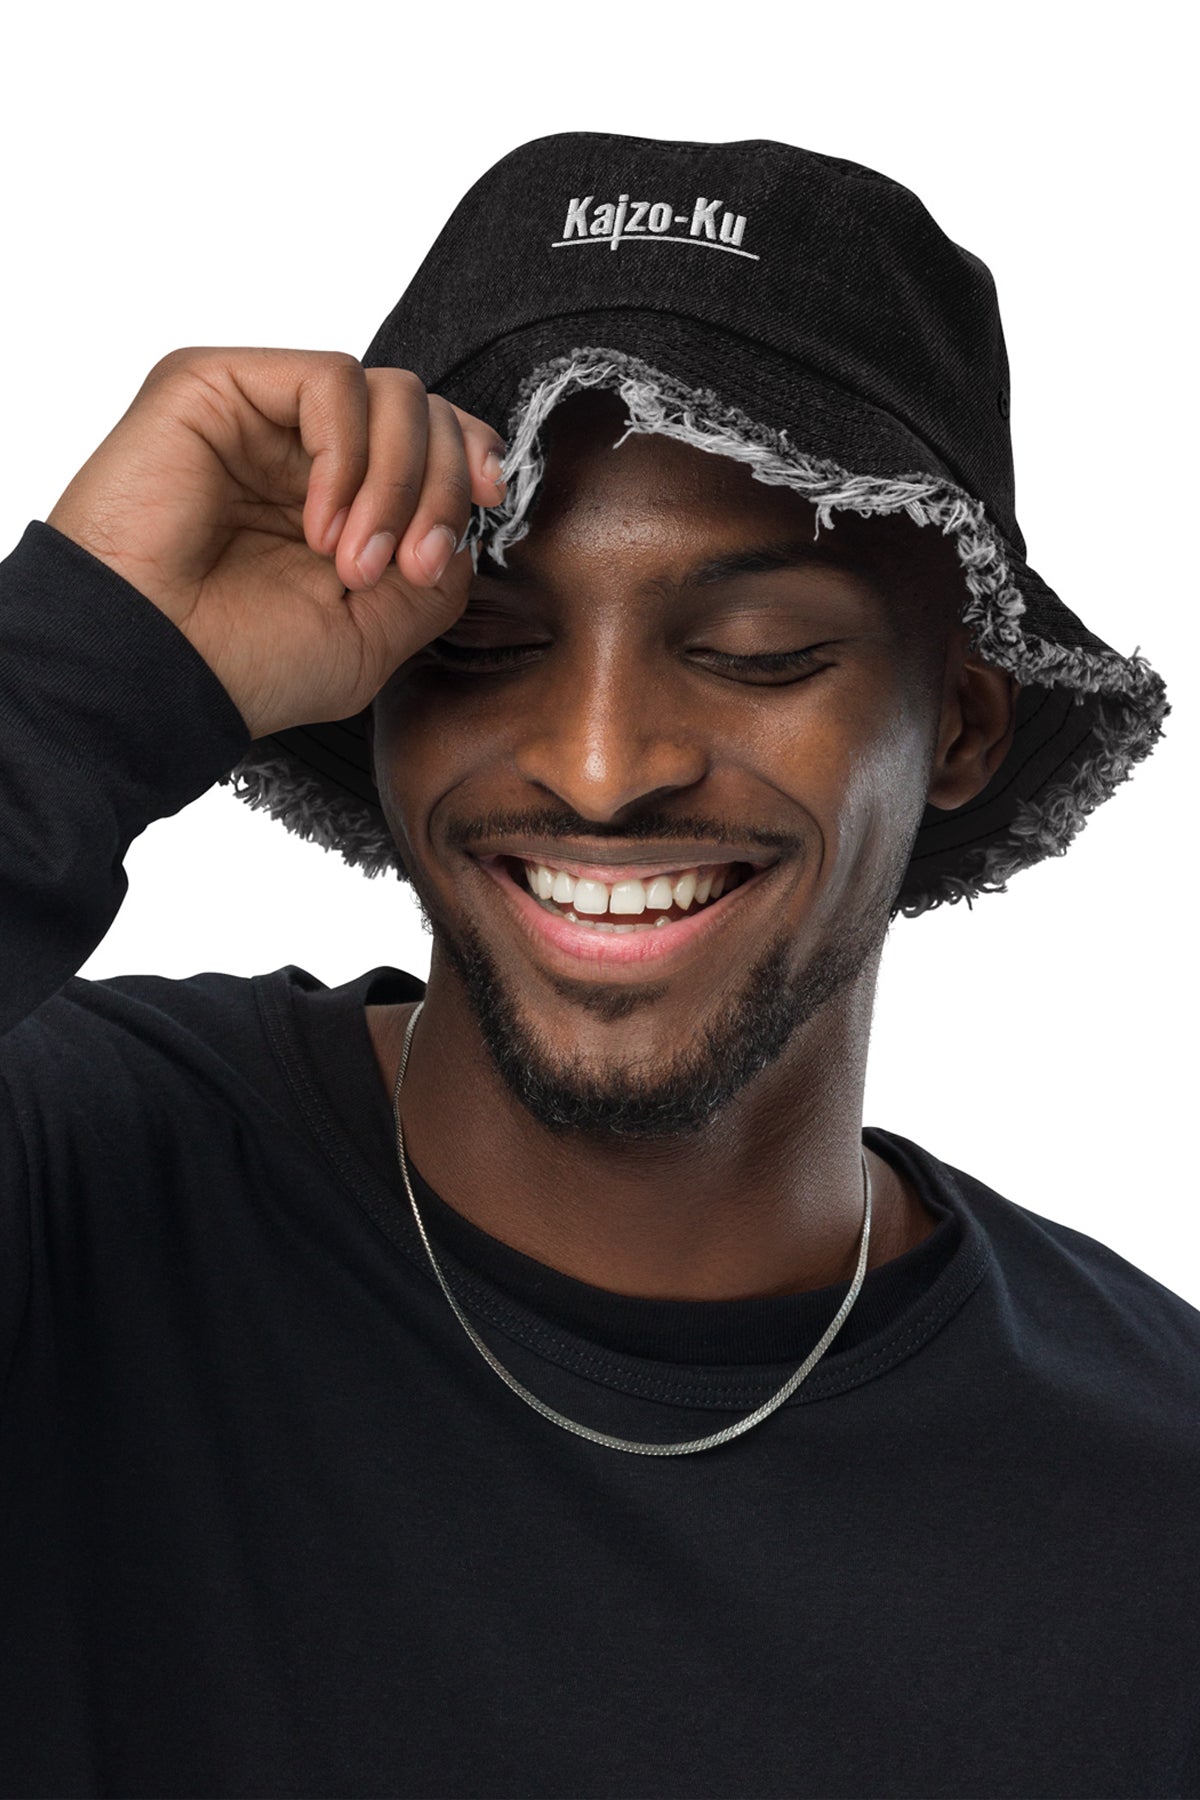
[(322, 1033)]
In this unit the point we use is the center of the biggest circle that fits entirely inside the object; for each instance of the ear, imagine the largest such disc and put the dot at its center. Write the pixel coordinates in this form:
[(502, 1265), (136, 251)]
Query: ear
[(979, 718)]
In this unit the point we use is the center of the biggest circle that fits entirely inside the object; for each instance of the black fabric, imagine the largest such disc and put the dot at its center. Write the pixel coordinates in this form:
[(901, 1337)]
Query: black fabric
[(826, 250), (269, 1524), (821, 302), (806, 305)]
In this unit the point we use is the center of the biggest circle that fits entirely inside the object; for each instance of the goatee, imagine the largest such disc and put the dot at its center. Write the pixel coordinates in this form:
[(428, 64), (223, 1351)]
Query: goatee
[(688, 1091)]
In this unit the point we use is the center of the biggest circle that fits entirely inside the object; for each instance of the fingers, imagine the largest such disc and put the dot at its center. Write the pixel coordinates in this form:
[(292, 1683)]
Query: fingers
[(334, 428), (320, 394), (444, 508), (485, 452), (387, 462), (462, 468), (379, 496), (400, 483)]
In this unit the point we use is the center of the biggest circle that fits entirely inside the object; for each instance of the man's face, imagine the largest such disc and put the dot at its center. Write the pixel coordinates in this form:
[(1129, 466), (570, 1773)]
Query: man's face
[(622, 733)]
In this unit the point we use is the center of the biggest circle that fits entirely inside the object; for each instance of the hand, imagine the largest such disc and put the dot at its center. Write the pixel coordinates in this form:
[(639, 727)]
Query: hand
[(277, 506)]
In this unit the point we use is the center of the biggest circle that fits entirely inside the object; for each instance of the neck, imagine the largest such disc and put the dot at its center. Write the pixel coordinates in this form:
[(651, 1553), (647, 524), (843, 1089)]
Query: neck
[(767, 1199)]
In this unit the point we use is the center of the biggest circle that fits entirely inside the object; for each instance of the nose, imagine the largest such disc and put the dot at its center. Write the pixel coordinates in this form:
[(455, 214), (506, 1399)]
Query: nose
[(609, 730)]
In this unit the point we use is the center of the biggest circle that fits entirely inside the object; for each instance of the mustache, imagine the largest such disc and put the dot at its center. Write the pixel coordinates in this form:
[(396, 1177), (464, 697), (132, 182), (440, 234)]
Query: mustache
[(647, 828)]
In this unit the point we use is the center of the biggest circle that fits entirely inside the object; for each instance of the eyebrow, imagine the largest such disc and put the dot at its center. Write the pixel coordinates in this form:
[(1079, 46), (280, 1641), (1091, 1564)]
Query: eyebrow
[(788, 553)]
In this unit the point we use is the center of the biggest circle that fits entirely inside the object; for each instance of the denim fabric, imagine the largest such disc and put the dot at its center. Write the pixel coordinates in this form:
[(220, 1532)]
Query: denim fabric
[(806, 308), (839, 272)]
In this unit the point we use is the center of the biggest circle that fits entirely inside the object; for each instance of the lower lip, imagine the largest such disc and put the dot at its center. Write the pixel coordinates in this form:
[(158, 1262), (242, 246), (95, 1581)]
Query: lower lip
[(653, 946)]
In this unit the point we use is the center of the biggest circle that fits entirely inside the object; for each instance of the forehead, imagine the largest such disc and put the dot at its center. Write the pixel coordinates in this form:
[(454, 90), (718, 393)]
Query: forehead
[(649, 493), (588, 454)]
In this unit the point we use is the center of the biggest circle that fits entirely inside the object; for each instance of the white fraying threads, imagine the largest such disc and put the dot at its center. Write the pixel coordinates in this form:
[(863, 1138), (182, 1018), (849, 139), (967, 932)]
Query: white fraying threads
[(1127, 727)]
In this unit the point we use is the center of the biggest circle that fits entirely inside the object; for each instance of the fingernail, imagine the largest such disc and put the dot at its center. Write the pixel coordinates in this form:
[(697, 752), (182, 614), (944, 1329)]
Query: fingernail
[(435, 550), (375, 558), (335, 529), (492, 468)]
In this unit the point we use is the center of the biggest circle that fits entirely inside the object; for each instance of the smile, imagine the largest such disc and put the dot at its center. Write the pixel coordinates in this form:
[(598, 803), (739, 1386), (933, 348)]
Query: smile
[(628, 924), (653, 900)]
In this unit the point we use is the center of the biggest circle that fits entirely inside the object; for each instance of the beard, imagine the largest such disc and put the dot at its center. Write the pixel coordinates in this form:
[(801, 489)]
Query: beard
[(690, 1090)]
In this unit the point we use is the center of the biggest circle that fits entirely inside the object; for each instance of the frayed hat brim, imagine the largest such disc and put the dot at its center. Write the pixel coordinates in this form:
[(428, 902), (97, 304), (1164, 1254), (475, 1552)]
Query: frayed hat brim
[(1086, 715)]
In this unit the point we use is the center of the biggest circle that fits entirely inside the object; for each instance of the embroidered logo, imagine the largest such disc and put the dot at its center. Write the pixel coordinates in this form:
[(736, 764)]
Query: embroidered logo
[(616, 224)]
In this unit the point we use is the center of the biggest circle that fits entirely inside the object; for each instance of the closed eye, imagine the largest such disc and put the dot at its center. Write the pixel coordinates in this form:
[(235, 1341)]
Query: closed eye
[(492, 658), (480, 655), (777, 662)]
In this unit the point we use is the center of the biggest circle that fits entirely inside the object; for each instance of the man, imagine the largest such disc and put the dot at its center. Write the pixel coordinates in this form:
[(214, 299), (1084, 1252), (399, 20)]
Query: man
[(819, 1468)]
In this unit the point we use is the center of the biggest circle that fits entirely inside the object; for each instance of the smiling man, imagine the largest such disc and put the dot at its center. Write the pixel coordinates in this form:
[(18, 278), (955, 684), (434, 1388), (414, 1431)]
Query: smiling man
[(539, 1381), (656, 793)]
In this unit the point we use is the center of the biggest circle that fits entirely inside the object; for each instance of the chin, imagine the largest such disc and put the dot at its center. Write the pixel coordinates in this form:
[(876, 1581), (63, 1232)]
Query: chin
[(577, 1080)]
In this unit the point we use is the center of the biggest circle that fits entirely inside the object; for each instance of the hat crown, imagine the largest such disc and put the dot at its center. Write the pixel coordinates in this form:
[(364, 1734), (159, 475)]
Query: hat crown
[(834, 266), (806, 316)]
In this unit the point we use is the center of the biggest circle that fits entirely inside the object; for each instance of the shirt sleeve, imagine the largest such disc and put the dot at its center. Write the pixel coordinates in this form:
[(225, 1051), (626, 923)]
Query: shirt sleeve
[(109, 719)]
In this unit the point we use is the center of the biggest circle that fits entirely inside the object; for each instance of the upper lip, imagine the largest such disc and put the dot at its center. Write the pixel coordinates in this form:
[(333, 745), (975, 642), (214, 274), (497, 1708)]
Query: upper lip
[(656, 856)]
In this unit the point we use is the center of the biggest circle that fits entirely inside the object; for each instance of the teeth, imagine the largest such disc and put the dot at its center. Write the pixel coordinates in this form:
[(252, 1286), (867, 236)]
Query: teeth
[(590, 897), (626, 899), (662, 919), (603, 927), (685, 889)]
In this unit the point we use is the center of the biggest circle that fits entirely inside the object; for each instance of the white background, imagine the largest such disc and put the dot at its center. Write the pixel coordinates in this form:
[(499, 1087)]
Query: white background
[(274, 174)]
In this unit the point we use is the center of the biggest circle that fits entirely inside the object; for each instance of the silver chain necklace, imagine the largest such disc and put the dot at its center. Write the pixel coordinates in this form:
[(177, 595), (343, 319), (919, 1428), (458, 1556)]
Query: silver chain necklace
[(602, 1437)]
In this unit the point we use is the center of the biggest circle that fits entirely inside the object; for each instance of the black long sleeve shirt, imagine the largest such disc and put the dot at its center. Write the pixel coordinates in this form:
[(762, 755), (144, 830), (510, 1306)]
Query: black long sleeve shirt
[(271, 1526)]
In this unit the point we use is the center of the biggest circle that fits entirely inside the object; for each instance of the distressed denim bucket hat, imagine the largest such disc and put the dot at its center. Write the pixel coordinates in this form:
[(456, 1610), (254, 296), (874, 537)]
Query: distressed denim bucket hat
[(801, 314)]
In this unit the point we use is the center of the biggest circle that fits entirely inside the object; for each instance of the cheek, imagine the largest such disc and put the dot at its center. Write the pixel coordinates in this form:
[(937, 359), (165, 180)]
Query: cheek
[(433, 740), (426, 726), (855, 761), (889, 763), (884, 802), (847, 747)]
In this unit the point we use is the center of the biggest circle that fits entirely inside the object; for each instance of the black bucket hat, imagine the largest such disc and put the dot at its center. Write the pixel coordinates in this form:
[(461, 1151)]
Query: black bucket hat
[(801, 314)]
